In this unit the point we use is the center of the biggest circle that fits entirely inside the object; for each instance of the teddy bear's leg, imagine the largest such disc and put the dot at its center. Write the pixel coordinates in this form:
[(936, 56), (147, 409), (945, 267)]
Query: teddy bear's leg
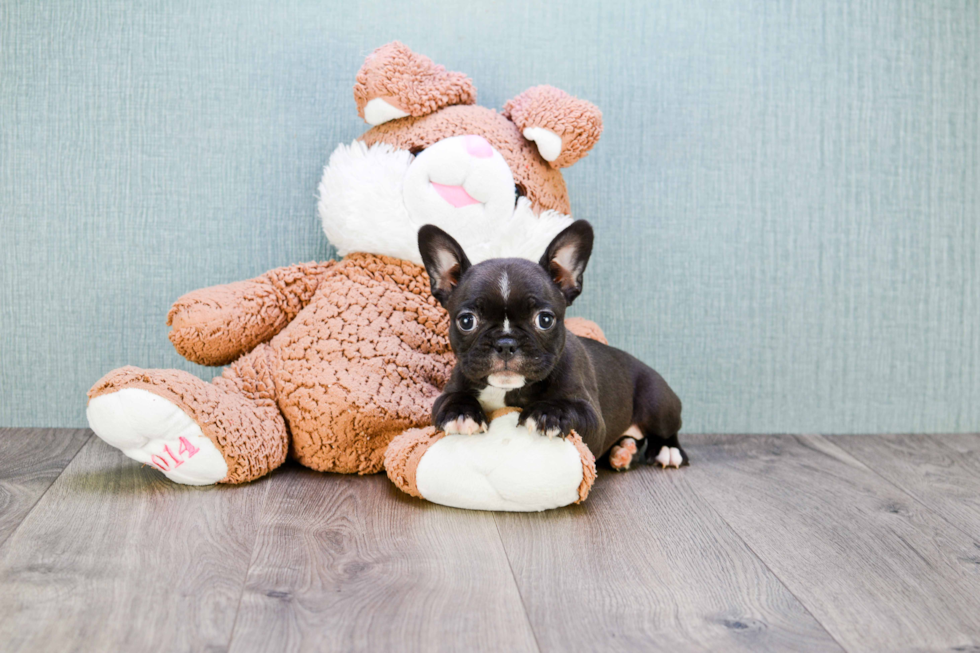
[(405, 452), (403, 455), (196, 433)]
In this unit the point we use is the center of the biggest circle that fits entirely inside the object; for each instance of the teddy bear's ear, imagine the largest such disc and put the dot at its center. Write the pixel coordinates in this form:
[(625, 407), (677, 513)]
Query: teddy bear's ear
[(562, 126), (394, 82)]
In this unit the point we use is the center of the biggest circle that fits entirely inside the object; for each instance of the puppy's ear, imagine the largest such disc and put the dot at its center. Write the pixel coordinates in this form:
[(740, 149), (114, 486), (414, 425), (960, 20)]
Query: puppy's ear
[(444, 260), (566, 258)]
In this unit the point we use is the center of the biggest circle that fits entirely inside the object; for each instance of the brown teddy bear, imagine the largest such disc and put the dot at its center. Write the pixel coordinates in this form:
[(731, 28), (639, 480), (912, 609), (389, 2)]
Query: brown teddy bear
[(327, 362)]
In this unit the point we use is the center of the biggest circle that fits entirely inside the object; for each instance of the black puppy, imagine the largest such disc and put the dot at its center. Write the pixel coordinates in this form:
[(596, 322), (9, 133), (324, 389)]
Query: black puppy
[(508, 332)]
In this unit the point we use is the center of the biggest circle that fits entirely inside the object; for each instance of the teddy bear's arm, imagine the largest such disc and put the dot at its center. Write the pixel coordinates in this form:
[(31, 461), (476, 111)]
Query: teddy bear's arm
[(216, 325)]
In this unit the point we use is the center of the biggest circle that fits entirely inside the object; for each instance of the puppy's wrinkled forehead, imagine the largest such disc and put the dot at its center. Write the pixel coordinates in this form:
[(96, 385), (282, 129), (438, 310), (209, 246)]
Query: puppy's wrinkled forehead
[(512, 286)]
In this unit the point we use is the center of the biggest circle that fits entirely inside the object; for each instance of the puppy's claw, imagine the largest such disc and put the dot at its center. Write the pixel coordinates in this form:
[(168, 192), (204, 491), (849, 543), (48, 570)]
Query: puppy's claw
[(532, 426)]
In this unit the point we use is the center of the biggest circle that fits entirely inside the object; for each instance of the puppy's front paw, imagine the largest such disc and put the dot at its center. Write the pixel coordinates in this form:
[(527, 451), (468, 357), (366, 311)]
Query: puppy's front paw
[(458, 418), (550, 419), (463, 426)]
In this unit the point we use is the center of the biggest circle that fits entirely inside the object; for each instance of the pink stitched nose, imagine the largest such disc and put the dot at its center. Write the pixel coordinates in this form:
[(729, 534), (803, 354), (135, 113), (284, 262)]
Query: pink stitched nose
[(478, 146)]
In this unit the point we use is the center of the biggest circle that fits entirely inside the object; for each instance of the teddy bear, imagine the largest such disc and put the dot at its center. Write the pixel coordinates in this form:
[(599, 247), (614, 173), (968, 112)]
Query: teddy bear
[(327, 362)]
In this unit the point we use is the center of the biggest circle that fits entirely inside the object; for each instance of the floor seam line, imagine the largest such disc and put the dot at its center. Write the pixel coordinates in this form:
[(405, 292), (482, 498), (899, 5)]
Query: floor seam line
[(248, 568), (758, 557), (903, 490), (48, 489), (517, 586)]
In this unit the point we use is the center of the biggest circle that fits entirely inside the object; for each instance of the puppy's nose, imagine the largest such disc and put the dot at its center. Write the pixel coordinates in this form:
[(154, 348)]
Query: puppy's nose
[(506, 347)]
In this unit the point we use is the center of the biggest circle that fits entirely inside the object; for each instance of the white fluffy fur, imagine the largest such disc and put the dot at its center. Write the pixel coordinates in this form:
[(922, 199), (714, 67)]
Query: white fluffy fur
[(362, 208)]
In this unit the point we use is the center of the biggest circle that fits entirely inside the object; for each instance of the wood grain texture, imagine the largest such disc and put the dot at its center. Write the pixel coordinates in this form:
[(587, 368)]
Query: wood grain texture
[(646, 565), (765, 543), (117, 558), (941, 471), (346, 563), (30, 461), (879, 570)]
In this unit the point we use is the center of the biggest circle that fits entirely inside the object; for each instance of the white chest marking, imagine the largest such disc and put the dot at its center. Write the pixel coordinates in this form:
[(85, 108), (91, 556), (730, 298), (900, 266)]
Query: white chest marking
[(492, 398)]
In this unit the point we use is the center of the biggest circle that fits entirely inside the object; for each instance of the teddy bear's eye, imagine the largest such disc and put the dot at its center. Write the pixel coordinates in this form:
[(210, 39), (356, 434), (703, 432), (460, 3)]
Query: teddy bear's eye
[(520, 192), (544, 320), (466, 322)]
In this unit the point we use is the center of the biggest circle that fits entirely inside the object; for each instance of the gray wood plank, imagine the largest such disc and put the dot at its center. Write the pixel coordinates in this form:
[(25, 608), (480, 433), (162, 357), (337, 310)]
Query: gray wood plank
[(644, 564), (348, 563), (114, 557), (30, 461), (876, 568), (941, 471)]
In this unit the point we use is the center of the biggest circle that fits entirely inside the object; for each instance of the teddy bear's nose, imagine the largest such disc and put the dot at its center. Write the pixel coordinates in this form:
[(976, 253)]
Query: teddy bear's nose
[(478, 146)]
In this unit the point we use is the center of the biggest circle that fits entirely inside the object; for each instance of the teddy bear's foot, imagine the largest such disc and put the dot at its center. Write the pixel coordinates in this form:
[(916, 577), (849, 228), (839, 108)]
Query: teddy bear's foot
[(151, 430), (197, 433)]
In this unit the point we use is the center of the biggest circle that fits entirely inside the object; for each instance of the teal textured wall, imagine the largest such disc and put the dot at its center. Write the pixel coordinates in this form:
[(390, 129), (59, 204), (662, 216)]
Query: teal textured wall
[(786, 193)]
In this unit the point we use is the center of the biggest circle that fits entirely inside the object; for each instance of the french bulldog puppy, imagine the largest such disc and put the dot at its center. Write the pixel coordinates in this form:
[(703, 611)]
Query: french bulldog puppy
[(507, 329)]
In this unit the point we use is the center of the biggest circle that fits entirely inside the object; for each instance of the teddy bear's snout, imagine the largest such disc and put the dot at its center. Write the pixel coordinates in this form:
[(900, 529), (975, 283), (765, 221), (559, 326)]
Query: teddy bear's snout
[(478, 146), (460, 173)]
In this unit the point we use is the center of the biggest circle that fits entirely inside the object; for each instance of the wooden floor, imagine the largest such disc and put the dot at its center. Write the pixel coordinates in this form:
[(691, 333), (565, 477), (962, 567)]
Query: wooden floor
[(792, 543)]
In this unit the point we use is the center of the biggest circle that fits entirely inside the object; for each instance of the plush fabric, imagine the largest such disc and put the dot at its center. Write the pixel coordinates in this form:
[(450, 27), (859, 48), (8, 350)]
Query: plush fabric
[(585, 329), (543, 185), (576, 122), (330, 361), (214, 326), (237, 411), (409, 82), (402, 457), (362, 363), (362, 207), (155, 431), (506, 468)]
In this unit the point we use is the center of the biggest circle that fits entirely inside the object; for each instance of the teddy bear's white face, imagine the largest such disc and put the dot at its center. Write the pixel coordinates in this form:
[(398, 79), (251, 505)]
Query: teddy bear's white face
[(374, 199), (460, 180)]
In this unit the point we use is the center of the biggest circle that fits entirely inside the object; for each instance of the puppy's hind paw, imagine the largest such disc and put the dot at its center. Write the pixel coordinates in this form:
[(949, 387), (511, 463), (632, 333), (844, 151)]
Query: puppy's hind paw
[(671, 457), (622, 453)]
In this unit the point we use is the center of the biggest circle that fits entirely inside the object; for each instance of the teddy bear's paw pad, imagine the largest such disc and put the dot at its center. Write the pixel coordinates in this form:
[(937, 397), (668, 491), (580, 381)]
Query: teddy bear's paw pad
[(622, 453), (670, 457), (154, 431)]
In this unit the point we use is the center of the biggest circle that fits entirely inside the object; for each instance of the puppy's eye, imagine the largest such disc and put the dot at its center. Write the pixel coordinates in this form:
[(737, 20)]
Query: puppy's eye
[(466, 322), (544, 320)]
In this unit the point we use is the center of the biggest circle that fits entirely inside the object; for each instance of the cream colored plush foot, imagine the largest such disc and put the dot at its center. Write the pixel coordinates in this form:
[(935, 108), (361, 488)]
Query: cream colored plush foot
[(153, 431)]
